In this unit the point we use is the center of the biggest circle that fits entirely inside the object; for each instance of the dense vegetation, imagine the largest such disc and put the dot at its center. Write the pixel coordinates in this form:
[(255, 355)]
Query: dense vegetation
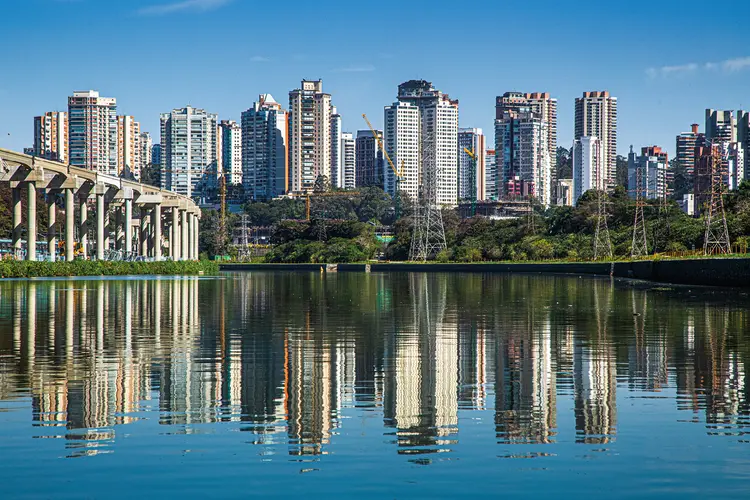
[(342, 229), (24, 269)]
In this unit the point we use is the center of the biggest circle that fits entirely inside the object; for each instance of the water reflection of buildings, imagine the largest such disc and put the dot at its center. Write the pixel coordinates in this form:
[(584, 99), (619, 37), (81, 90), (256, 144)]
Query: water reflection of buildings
[(418, 349)]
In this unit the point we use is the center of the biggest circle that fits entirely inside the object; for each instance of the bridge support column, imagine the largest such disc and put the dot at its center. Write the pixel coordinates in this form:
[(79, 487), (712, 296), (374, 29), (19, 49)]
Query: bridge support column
[(128, 223), (144, 233), (107, 227), (119, 230), (184, 235), (196, 225), (17, 221), (189, 242), (83, 225), (31, 221), (174, 238), (156, 224), (100, 209), (70, 222), (51, 226)]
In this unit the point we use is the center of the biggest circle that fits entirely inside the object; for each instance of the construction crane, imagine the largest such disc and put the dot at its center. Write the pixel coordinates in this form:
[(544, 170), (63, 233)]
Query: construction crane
[(316, 195), (472, 181), (399, 173)]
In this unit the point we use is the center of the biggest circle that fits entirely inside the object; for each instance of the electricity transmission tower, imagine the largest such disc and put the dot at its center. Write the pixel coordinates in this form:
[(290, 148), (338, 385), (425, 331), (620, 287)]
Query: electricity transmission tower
[(716, 239), (639, 247), (602, 242), (428, 238)]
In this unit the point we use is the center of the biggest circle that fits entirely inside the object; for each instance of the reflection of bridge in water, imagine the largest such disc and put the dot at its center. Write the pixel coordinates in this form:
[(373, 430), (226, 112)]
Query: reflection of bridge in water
[(423, 352), (167, 222)]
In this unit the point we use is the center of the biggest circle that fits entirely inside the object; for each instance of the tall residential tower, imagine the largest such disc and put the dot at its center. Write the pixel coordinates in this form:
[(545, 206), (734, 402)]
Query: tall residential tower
[(92, 131), (309, 135), (596, 116), (265, 158)]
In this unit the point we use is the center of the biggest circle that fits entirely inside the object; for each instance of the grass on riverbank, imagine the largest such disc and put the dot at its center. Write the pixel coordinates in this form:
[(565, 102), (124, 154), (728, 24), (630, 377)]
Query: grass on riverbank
[(24, 269)]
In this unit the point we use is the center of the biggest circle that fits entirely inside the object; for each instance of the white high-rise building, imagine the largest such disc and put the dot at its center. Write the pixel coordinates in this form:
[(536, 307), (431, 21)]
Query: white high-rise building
[(596, 116), (265, 158), (491, 177), (473, 140), (652, 165), (337, 154), (434, 143), (189, 148), (309, 135), (589, 168), (401, 141), (348, 148), (231, 151), (129, 150), (51, 136), (92, 131), (147, 146)]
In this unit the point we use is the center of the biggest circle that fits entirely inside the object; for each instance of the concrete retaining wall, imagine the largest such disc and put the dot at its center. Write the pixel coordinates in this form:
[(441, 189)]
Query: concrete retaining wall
[(709, 272)]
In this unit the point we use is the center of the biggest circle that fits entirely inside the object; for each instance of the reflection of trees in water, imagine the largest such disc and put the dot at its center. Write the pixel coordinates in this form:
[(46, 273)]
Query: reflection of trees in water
[(282, 355)]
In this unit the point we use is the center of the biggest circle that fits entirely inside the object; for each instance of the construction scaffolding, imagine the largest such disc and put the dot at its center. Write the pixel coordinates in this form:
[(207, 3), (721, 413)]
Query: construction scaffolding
[(716, 239)]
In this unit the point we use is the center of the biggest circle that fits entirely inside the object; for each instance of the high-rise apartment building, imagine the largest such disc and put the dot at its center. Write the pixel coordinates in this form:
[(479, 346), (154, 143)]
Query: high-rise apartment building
[(589, 168), (51, 136), (544, 106), (491, 181), (92, 131), (653, 167), (370, 161), (435, 140), (473, 140), (156, 155), (596, 116), (147, 149), (231, 151), (721, 126), (685, 150), (129, 149), (349, 154), (337, 153), (189, 148), (265, 157), (522, 155), (743, 138), (309, 135), (401, 139)]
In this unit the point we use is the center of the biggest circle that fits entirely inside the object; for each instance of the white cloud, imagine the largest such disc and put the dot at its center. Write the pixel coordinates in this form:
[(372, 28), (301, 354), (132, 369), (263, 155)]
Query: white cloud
[(183, 6), (727, 66), (732, 65), (364, 68), (259, 59)]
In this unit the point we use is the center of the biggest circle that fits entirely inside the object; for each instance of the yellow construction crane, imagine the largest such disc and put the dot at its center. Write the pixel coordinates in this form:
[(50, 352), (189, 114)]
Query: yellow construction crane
[(399, 173)]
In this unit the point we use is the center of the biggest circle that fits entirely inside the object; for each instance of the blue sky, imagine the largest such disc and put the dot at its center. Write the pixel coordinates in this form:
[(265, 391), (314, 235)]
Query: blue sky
[(665, 61)]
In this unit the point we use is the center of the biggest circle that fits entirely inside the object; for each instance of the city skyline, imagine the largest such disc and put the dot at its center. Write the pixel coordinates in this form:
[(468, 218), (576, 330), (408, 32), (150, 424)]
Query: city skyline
[(661, 88)]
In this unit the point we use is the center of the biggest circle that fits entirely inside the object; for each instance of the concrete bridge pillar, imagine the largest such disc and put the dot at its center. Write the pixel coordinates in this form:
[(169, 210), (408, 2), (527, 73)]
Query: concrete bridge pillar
[(107, 224), (144, 232), (119, 229), (17, 220), (128, 223), (31, 221), (196, 223), (174, 240), (51, 226), (156, 224), (83, 224), (70, 222), (100, 209), (184, 235)]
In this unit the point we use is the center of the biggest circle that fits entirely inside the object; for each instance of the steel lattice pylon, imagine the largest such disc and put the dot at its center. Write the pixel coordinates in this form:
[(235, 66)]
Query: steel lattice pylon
[(639, 247), (602, 242), (428, 237), (716, 239)]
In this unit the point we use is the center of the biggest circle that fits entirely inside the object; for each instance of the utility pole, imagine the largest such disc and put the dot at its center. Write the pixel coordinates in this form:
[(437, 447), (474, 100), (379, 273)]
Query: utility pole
[(602, 242), (639, 247), (428, 238), (716, 239)]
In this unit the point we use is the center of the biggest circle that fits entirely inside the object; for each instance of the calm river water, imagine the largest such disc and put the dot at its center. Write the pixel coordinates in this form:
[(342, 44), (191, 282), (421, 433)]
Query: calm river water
[(379, 385)]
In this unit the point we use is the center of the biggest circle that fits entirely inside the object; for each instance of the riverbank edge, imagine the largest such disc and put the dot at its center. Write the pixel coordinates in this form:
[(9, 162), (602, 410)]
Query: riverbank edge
[(731, 272), (83, 268)]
